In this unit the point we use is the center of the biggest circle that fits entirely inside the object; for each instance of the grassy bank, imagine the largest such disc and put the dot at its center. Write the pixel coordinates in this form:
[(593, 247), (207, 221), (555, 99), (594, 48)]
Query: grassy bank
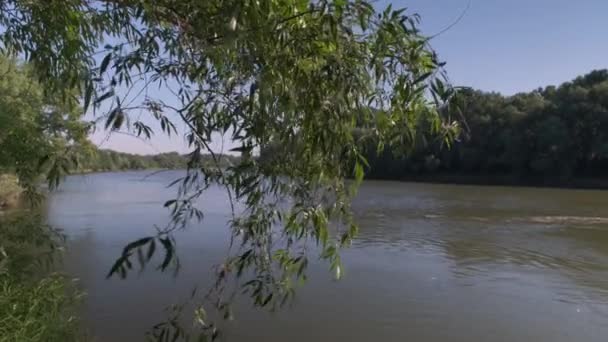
[(10, 191), (36, 304)]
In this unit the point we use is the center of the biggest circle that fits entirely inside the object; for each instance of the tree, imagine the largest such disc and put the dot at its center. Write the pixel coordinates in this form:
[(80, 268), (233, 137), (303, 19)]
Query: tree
[(547, 136), (297, 74), (39, 135)]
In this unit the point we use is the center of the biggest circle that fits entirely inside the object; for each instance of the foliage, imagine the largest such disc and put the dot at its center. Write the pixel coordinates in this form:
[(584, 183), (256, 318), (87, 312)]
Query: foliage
[(300, 75), (35, 305), (108, 160), (39, 135), (35, 311), (9, 191), (550, 135)]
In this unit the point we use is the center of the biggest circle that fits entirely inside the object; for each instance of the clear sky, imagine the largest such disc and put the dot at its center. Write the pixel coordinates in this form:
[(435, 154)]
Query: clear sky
[(507, 46), (511, 46)]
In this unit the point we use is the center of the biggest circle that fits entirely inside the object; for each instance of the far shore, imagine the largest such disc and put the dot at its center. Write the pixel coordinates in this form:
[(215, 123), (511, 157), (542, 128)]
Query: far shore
[(589, 183)]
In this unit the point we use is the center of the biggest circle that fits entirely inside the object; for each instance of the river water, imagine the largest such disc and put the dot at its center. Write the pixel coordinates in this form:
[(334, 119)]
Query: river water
[(431, 263)]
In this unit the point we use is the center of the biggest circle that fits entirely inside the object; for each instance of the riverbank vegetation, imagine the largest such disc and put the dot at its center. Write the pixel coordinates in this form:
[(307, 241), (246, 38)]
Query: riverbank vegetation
[(41, 135), (36, 304), (550, 136), (107, 160), (40, 139)]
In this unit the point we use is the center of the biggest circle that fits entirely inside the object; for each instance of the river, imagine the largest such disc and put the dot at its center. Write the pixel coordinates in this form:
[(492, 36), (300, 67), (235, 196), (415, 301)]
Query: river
[(431, 263)]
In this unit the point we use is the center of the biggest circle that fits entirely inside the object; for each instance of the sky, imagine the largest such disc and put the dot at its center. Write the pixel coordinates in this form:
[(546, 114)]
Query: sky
[(507, 46), (510, 46)]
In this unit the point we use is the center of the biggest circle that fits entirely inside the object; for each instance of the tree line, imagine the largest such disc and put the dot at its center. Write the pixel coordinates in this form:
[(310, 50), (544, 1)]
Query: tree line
[(108, 160), (552, 135)]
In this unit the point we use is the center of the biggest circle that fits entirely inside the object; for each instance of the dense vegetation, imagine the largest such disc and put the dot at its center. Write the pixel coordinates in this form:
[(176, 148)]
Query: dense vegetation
[(108, 160), (553, 135), (36, 304), (40, 135)]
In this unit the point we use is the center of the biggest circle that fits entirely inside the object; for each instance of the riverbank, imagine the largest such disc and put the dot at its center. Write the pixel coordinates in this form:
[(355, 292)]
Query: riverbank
[(36, 303), (588, 183), (90, 171)]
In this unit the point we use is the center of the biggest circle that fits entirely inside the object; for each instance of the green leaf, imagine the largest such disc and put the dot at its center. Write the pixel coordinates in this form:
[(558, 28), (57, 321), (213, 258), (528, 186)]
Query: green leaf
[(115, 119), (136, 244), (359, 172), (168, 246), (105, 63), (423, 77), (105, 96), (118, 266), (151, 249), (242, 149), (87, 96), (338, 271), (267, 299)]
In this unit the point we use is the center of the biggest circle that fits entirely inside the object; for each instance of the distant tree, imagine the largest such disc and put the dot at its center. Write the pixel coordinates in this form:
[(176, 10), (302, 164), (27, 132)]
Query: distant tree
[(547, 135)]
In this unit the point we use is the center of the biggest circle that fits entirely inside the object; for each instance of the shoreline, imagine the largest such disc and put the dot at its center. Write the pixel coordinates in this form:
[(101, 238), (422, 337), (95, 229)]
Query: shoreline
[(89, 172), (579, 183)]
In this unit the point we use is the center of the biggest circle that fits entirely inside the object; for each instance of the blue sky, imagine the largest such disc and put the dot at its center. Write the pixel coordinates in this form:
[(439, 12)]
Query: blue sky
[(507, 46), (511, 46)]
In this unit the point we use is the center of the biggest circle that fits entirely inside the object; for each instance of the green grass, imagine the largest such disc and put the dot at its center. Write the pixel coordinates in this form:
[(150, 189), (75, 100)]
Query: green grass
[(36, 305), (36, 311)]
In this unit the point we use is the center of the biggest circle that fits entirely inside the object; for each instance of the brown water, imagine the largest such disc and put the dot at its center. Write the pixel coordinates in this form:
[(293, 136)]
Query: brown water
[(431, 263)]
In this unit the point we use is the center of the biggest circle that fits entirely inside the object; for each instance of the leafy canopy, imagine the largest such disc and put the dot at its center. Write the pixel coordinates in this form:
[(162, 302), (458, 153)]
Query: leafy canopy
[(39, 134), (301, 75), (550, 136)]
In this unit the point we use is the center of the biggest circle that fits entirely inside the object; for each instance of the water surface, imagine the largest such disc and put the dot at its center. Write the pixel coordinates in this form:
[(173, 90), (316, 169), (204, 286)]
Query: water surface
[(431, 263)]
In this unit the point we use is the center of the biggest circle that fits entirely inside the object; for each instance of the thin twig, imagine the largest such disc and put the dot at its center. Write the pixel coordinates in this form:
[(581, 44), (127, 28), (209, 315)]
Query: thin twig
[(454, 23)]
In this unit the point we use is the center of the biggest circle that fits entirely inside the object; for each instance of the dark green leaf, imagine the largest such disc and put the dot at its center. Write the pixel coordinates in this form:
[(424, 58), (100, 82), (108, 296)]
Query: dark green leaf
[(105, 63), (136, 244), (105, 96)]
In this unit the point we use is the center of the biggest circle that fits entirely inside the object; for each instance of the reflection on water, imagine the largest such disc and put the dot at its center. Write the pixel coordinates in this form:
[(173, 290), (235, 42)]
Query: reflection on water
[(431, 263)]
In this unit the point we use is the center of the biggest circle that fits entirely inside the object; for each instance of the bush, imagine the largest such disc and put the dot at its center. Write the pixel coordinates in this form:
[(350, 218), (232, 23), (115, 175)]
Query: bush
[(35, 303), (36, 310)]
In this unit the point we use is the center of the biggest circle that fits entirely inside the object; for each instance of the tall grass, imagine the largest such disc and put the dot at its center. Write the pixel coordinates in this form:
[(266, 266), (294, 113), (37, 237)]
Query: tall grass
[(36, 304), (36, 311)]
